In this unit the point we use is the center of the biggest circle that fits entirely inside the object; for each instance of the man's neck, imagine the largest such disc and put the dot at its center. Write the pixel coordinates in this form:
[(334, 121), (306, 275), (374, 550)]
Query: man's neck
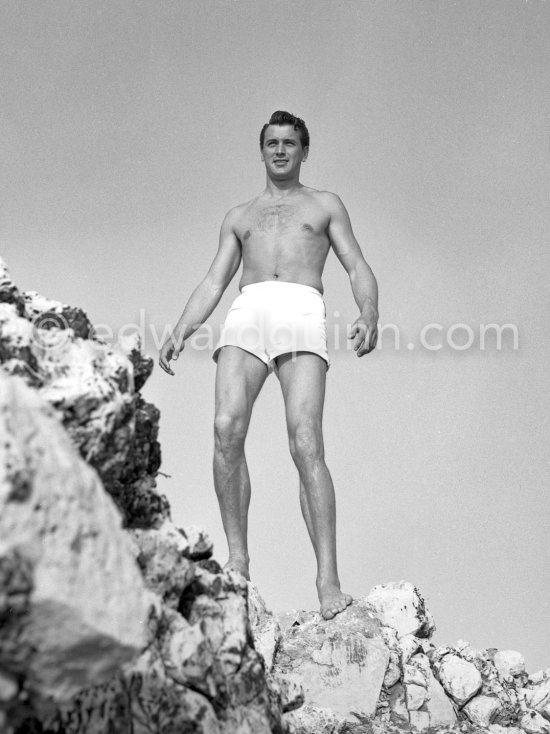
[(282, 188)]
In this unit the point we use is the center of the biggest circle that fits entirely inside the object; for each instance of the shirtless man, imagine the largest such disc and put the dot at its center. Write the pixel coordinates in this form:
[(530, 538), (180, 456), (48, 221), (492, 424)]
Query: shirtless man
[(277, 323)]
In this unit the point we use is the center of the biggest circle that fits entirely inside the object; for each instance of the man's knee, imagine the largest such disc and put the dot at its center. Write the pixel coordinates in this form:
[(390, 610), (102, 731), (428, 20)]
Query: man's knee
[(230, 431), (306, 440)]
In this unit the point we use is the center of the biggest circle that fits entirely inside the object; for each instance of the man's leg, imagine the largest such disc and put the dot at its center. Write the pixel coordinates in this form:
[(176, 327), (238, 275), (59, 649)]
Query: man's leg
[(239, 379), (303, 384)]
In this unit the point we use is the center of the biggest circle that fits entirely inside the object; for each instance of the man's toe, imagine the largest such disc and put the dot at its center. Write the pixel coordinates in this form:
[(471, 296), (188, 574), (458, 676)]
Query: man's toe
[(328, 612)]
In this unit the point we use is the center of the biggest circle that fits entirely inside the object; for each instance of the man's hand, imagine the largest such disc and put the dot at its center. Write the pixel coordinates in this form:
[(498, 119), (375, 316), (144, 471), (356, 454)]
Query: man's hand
[(364, 331), (170, 350)]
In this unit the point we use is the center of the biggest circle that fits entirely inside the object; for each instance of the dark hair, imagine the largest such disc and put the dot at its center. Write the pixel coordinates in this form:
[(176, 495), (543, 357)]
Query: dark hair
[(281, 117)]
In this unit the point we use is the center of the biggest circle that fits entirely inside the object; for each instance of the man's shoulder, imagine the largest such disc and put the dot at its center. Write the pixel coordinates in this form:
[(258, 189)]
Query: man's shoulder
[(327, 199)]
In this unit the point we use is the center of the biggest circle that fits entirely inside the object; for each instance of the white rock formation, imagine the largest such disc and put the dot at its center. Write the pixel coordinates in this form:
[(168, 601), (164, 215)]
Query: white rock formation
[(533, 723), (265, 627), (62, 534), (537, 697), (438, 705), (399, 605), (340, 663), (461, 679), (481, 710), (509, 662)]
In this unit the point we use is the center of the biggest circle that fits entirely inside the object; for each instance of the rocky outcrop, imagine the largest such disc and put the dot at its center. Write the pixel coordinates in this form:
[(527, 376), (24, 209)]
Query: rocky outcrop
[(340, 665), (95, 391), (374, 669), (113, 619), (60, 536)]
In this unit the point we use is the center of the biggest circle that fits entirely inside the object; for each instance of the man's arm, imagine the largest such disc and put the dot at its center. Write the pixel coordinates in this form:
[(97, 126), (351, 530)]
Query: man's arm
[(207, 294), (363, 282)]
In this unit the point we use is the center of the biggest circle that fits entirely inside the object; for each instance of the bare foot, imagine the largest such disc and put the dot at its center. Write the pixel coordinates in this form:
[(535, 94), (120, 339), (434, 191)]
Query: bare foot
[(239, 565), (333, 601)]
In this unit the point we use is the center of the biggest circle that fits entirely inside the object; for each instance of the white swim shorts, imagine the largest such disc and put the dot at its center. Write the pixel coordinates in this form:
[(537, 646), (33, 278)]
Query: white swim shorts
[(273, 317)]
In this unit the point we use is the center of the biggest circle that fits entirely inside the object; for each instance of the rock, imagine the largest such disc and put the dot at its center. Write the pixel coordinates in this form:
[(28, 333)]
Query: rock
[(408, 645), (399, 712), (162, 555), (9, 687), (438, 705), (198, 674), (314, 719), (142, 365), (498, 729), (509, 662), (400, 606), (93, 388), (291, 694), (466, 651), (218, 603), (393, 671), (61, 537), (419, 720), (415, 680), (459, 678), (200, 545), (533, 723), (48, 314), (421, 705), (539, 676), (16, 355), (415, 696), (482, 710), (139, 701), (185, 660), (414, 675), (9, 293), (537, 697), (266, 631), (340, 662)]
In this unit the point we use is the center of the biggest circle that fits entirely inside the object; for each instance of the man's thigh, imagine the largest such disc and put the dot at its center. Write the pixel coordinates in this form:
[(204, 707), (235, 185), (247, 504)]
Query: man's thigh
[(239, 379), (303, 381)]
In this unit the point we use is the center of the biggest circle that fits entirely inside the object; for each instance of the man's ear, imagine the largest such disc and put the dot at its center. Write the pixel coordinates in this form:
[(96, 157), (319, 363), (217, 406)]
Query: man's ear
[(305, 154)]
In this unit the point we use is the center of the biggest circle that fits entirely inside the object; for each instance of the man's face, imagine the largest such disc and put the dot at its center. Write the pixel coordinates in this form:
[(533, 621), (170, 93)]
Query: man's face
[(282, 151)]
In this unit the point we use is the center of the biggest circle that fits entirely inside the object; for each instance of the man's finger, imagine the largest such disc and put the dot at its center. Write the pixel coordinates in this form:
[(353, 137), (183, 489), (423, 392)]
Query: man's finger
[(365, 346), (360, 338), (166, 367), (164, 361), (360, 347), (369, 343)]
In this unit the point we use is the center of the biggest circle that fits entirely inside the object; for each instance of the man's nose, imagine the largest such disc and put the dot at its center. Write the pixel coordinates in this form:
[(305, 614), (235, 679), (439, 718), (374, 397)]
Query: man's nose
[(280, 148)]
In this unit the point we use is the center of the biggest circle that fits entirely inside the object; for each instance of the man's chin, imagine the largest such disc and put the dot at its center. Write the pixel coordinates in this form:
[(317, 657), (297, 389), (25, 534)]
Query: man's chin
[(281, 174)]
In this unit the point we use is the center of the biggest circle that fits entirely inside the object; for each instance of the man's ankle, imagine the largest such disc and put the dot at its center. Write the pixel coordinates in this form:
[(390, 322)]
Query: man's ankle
[(325, 580), (239, 555)]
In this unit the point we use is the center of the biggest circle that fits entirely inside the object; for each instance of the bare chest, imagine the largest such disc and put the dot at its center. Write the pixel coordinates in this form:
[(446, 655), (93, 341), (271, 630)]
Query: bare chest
[(282, 219)]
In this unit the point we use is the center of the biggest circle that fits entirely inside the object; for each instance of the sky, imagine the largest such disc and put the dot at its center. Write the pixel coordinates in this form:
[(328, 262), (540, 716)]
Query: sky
[(129, 128)]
